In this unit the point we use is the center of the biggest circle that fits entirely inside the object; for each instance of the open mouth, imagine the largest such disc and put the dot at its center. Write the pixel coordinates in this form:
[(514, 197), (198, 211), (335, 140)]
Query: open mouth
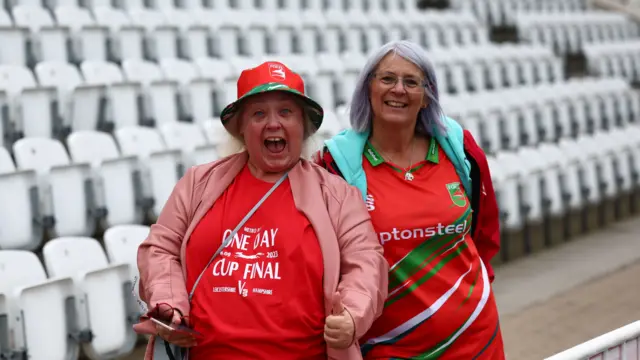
[(395, 104), (275, 145)]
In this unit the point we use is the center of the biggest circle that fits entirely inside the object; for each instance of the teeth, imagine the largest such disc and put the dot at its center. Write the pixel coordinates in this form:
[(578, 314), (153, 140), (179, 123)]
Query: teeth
[(275, 139), (395, 104)]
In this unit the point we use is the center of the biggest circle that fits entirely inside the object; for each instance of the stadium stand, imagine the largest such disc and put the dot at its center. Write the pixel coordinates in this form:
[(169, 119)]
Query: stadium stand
[(106, 103)]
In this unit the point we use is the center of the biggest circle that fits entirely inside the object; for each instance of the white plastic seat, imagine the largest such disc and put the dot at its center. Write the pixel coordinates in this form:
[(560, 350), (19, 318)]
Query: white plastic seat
[(15, 38), (191, 141), (38, 308), (161, 94), (226, 26), (51, 39), (225, 75), (196, 93), (21, 225), (162, 167), (116, 178), (82, 103), (121, 243), (127, 38), (195, 37), (214, 131), (32, 106), (89, 40), (161, 37), (510, 198), (67, 191), (101, 293), (125, 97)]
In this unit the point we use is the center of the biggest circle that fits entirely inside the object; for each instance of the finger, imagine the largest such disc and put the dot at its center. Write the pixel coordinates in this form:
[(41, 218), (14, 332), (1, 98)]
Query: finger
[(333, 333), (334, 343), (336, 321), (337, 307)]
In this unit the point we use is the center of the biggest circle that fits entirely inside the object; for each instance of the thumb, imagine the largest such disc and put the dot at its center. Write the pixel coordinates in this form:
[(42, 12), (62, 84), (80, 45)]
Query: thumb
[(176, 320), (337, 307)]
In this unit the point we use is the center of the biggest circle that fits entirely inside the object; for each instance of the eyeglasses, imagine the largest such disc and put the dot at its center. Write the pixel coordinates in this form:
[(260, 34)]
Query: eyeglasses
[(410, 83)]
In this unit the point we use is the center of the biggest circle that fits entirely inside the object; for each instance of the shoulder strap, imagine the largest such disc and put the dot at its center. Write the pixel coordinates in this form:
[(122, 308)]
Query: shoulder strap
[(235, 231)]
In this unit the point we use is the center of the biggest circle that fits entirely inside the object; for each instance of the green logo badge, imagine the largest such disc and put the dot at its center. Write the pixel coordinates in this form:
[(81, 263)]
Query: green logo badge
[(456, 194)]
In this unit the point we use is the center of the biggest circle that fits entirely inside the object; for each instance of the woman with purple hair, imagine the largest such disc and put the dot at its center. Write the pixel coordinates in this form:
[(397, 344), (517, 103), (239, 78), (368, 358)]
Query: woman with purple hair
[(428, 190)]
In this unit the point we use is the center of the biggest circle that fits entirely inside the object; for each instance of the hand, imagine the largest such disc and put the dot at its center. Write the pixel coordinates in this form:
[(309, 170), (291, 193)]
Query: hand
[(339, 329), (179, 339)]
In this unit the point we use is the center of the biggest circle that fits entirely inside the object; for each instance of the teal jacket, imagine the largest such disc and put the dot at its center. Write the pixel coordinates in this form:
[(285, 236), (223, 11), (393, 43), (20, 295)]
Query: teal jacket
[(347, 147)]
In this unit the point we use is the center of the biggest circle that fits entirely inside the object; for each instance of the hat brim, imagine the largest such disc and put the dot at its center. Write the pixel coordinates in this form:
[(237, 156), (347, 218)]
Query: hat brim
[(229, 114)]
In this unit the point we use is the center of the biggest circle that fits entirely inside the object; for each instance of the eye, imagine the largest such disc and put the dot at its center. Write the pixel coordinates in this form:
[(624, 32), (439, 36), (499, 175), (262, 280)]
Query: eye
[(388, 79), (258, 113), (285, 111), (412, 83)]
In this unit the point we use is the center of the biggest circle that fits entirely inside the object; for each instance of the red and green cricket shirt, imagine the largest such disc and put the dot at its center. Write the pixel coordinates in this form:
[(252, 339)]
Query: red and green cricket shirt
[(440, 304)]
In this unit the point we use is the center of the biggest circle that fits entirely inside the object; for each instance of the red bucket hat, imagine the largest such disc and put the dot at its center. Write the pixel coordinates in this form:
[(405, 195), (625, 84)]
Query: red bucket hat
[(269, 76)]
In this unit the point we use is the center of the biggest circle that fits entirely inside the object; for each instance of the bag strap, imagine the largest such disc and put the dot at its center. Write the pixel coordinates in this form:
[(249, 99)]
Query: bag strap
[(235, 231)]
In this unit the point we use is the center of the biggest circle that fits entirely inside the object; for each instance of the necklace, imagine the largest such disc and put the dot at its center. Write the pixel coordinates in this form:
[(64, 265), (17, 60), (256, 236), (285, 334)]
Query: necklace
[(407, 171)]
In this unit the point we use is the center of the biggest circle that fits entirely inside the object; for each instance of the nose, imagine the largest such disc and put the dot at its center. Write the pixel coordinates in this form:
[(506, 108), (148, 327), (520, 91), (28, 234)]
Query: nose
[(399, 87), (273, 122)]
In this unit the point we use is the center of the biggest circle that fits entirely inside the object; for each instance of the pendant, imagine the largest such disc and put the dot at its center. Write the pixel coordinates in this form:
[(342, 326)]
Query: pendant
[(408, 176)]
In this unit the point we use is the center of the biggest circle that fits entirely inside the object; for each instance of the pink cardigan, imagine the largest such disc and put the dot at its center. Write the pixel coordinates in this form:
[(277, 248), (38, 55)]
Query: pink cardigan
[(352, 255)]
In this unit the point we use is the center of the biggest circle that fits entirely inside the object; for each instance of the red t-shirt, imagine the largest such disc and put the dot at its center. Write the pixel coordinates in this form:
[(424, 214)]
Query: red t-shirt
[(262, 298)]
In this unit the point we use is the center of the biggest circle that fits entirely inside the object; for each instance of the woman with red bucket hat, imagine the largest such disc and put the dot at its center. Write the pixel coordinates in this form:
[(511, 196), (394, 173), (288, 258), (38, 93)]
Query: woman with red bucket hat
[(262, 254)]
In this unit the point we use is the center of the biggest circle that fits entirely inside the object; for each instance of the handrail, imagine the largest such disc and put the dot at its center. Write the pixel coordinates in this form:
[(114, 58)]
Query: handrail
[(629, 7), (602, 343)]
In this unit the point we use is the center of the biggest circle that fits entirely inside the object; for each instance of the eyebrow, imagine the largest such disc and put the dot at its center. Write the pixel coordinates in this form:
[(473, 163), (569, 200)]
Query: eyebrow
[(406, 76)]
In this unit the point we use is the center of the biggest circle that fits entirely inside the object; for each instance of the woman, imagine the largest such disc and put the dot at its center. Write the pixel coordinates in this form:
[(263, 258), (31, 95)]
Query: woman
[(303, 277), (421, 177)]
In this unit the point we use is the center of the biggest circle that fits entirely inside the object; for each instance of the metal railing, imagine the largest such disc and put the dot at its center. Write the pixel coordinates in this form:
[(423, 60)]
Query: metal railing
[(619, 344)]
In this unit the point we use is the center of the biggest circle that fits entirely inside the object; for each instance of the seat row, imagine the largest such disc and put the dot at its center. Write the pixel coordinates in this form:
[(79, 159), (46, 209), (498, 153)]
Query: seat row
[(512, 118), (70, 33), (365, 5), (478, 68), (552, 192), (59, 97), (614, 59), (97, 181), (80, 296), (568, 32), (503, 12)]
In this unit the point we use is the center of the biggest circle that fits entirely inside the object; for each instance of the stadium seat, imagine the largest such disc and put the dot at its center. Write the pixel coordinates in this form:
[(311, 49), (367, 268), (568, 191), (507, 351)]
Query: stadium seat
[(214, 131), (124, 97), (162, 167), (127, 39), (102, 294), (66, 188), (196, 93), (42, 325), (89, 40), (21, 223), (161, 38), (191, 141), (33, 108), (121, 243), (117, 180), (82, 104), (50, 40), (13, 37), (194, 37), (160, 93)]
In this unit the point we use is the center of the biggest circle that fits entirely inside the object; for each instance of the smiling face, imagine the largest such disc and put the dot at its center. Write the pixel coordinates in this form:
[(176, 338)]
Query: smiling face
[(273, 130), (397, 91)]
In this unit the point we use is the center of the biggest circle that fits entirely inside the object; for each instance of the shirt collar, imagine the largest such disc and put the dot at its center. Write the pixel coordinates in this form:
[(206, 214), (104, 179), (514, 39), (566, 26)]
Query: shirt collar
[(375, 159)]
